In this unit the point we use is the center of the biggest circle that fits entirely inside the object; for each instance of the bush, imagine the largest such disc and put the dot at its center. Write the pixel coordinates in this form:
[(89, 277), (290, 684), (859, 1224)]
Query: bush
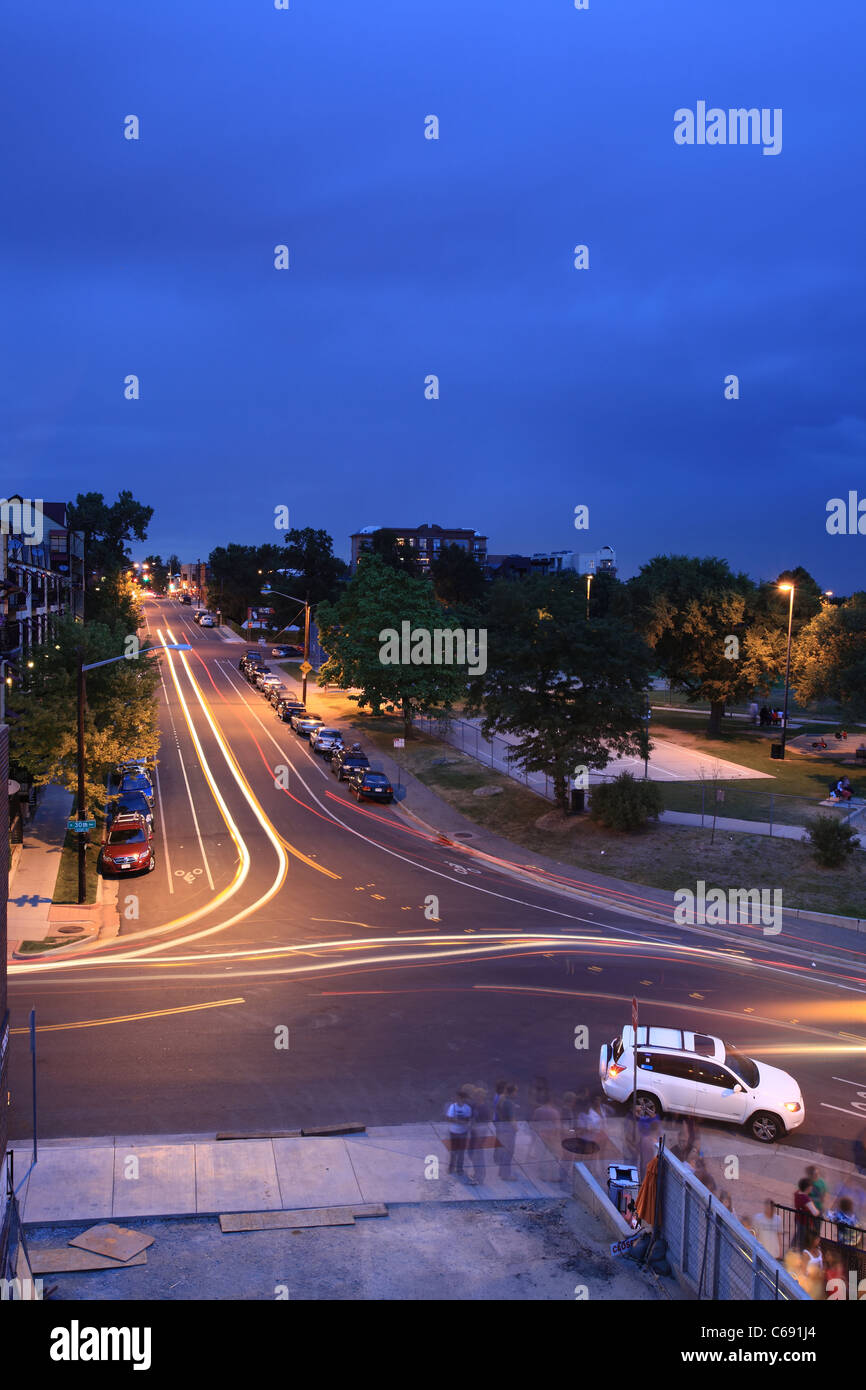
[(625, 803), (832, 841)]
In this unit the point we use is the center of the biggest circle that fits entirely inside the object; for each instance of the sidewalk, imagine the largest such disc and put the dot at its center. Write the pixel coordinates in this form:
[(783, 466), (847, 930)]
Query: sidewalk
[(123, 1179), (32, 887)]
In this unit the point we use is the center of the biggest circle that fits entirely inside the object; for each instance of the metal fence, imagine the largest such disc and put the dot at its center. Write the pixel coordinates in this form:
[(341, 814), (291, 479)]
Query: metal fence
[(841, 1245), (716, 1257), (702, 797)]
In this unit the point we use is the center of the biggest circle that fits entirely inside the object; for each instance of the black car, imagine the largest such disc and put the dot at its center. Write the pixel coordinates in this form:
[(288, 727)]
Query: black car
[(371, 785), (286, 708), (274, 694), (345, 761)]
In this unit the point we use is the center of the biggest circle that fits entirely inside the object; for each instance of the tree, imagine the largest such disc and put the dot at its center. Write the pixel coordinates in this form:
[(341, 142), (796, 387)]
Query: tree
[(395, 553), (158, 573), (173, 564), (355, 632), (571, 688), (829, 658), (239, 572), (625, 803), (699, 618), (458, 579), (320, 573), (120, 715), (108, 529), (832, 841)]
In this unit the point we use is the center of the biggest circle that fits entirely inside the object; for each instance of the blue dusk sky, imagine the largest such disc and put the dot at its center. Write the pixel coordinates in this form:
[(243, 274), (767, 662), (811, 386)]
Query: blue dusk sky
[(455, 257)]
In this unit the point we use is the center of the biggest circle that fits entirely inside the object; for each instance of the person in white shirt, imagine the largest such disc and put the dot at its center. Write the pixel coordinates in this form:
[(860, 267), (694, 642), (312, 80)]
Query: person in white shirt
[(459, 1116), (767, 1226)]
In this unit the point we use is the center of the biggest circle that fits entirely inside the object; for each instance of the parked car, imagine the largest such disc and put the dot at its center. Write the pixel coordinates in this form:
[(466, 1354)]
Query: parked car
[(275, 693), (131, 804), (262, 672), (287, 651), (305, 724), (137, 782), (689, 1073), (345, 761), (324, 739), (185, 598), (303, 714), (207, 620), (286, 708), (268, 683), (128, 847), (371, 785)]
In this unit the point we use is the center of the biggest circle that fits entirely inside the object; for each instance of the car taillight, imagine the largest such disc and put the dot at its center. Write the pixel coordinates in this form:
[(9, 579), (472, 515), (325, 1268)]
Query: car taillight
[(792, 1105), (615, 1070)]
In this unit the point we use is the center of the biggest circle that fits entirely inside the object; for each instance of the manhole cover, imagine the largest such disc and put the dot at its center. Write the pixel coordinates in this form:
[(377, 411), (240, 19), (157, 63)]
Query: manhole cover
[(70, 931), (463, 834)]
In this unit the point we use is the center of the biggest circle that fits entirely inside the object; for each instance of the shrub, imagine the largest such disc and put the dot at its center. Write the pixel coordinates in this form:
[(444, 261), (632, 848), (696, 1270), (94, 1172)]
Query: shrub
[(625, 803), (832, 841)]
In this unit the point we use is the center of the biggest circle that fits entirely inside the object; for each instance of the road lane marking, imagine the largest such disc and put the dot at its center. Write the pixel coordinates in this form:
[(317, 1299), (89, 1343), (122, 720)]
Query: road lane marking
[(128, 1018), (846, 1082)]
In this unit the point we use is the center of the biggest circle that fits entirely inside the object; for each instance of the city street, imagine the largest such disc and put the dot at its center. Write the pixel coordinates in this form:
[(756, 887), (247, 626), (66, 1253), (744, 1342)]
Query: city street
[(280, 903)]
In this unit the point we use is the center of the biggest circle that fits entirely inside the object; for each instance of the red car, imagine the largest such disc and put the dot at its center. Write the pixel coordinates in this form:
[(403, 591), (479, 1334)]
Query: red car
[(128, 847)]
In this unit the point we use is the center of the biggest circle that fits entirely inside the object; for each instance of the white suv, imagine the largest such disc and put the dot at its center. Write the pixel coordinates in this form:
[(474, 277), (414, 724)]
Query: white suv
[(694, 1074)]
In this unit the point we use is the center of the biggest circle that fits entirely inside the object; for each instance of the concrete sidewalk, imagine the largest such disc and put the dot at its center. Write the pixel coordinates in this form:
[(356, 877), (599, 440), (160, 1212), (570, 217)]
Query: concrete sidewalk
[(126, 1178), (32, 888)]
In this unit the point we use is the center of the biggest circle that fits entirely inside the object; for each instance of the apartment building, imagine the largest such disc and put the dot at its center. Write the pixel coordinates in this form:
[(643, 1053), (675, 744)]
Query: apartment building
[(425, 541), (41, 571)]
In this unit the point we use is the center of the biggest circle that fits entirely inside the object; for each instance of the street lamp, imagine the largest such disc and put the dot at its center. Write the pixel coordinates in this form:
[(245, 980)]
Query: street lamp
[(789, 590), (83, 668), (267, 589), (588, 582)]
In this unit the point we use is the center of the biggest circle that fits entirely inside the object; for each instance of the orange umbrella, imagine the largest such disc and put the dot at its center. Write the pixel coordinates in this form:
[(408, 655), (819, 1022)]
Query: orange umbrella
[(646, 1197)]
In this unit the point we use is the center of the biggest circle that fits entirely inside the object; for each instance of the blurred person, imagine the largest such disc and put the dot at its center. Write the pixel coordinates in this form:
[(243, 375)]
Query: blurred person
[(846, 1221), (818, 1191), (459, 1117), (767, 1227), (805, 1215), (725, 1199), (547, 1133), (688, 1136), (479, 1130), (505, 1127), (703, 1174), (569, 1113)]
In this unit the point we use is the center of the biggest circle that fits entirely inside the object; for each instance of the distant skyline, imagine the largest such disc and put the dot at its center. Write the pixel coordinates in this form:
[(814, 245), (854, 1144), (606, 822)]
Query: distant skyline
[(452, 257)]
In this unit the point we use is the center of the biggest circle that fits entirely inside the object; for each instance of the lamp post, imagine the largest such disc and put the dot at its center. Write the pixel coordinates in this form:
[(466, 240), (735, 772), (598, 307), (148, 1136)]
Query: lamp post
[(83, 668), (266, 590), (789, 589), (588, 582)]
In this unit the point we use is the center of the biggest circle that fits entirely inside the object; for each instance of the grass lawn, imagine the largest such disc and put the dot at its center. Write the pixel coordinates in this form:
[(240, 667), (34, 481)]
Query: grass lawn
[(66, 887), (662, 857)]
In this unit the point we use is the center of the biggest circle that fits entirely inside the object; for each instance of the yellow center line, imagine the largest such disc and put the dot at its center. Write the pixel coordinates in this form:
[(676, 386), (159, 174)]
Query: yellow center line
[(129, 1018)]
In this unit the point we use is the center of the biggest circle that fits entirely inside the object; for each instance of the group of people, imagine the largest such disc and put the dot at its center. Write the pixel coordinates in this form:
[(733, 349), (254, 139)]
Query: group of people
[(766, 717), (841, 790), (478, 1124), (812, 1259)]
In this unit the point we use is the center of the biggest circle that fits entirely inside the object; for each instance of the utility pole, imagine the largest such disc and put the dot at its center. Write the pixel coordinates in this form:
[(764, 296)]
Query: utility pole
[(306, 648), (83, 835)]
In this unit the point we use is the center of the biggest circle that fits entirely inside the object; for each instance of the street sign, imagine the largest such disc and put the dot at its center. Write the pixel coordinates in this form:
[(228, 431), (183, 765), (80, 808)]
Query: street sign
[(305, 668), (634, 1018), (81, 825), (399, 743)]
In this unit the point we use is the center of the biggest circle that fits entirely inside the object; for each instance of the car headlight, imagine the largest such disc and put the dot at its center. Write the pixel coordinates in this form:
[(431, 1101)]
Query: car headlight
[(792, 1105)]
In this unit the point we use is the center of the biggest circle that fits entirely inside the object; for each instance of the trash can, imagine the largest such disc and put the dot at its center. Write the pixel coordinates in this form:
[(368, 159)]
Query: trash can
[(776, 750), (622, 1186), (578, 801)]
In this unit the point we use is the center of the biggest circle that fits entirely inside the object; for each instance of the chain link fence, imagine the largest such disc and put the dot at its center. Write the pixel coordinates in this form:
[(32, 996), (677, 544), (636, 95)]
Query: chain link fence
[(716, 1257), (702, 797)]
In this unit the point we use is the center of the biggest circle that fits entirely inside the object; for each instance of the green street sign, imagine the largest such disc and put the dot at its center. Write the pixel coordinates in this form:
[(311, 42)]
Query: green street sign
[(81, 825)]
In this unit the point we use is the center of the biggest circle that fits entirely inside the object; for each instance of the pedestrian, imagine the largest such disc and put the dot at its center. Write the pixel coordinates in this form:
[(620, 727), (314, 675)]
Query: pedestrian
[(767, 1227), (703, 1174), (479, 1130), (805, 1215), (846, 1222), (687, 1139), (818, 1191), (505, 1126), (753, 712), (459, 1117), (547, 1130)]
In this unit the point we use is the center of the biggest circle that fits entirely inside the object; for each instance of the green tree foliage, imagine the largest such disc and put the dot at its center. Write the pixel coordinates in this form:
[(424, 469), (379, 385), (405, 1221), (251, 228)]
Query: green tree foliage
[(458, 580), (396, 555), (625, 803), (572, 689), (832, 841), (320, 573), (120, 716), (158, 573), (378, 599), (238, 573), (688, 610), (107, 530), (829, 659)]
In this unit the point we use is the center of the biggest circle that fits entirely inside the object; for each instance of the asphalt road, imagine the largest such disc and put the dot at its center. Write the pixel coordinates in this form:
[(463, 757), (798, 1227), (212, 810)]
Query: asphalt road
[(296, 959)]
